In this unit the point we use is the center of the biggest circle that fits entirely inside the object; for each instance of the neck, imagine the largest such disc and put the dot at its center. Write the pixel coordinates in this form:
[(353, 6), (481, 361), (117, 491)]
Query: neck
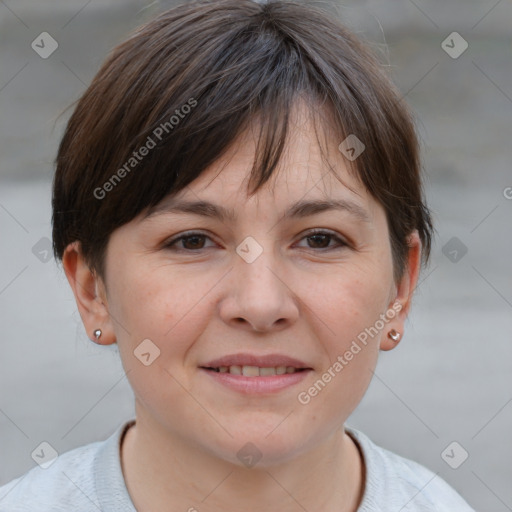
[(161, 469)]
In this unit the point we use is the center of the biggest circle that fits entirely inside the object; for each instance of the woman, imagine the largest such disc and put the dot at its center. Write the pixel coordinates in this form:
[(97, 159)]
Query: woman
[(238, 205)]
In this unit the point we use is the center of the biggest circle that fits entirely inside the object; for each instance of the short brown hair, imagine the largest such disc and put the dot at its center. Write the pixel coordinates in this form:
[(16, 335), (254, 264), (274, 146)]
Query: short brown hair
[(227, 61)]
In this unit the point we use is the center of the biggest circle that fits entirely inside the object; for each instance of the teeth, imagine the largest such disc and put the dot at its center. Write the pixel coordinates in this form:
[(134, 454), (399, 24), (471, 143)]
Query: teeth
[(256, 371), (250, 371), (236, 370)]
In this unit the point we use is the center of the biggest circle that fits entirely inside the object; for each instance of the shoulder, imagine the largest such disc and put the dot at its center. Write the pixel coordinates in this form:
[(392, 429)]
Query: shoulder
[(88, 478), (402, 484), (67, 481)]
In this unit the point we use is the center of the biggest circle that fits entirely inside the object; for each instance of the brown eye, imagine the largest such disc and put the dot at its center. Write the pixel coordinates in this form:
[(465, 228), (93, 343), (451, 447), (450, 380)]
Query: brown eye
[(193, 242), (188, 242), (322, 240)]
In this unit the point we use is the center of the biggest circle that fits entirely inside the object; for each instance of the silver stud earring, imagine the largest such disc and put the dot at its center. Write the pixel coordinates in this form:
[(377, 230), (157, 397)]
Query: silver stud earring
[(97, 333), (394, 335)]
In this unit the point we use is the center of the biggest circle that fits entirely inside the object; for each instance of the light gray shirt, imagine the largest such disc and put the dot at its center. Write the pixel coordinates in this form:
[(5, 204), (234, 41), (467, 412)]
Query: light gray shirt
[(90, 479)]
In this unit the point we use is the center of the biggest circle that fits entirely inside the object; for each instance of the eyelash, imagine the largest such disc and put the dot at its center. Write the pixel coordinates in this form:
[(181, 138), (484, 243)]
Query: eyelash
[(191, 234)]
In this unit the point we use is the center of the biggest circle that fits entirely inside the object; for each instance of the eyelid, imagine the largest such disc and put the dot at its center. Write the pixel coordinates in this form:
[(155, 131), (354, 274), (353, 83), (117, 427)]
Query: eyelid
[(186, 234), (342, 241), (326, 231)]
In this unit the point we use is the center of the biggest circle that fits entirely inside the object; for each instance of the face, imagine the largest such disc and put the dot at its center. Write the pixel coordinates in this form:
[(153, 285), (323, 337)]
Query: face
[(303, 286)]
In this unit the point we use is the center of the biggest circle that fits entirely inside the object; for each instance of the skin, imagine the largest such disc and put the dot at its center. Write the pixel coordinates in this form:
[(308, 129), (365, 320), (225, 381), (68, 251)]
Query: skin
[(296, 298)]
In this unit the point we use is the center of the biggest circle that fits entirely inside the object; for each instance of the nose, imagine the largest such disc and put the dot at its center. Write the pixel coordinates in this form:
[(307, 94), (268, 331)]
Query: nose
[(258, 296)]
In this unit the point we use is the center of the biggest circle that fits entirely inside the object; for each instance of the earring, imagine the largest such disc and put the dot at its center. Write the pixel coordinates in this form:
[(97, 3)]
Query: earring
[(394, 335), (97, 333)]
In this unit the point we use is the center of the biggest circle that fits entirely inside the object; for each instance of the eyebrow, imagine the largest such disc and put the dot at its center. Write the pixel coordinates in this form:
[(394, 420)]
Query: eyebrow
[(300, 209)]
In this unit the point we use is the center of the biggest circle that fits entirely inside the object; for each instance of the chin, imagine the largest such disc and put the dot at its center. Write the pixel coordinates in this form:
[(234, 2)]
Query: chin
[(267, 446)]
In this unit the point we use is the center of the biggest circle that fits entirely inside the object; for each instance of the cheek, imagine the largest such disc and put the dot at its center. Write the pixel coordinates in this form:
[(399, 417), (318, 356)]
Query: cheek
[(159, 305), (349, 300), (153, 306), (346, 310)]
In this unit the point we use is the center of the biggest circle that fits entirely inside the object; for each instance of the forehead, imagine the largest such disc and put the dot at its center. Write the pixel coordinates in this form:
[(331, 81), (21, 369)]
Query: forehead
[(312, 176), (299, 191), (311, 161)]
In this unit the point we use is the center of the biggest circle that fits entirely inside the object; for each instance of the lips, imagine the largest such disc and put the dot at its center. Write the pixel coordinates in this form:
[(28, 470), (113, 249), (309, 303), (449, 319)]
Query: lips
[(251, 374), (252, 360)]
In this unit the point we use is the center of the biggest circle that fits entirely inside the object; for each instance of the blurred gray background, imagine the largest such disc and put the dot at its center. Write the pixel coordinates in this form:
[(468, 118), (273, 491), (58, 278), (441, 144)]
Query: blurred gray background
[(451, 377)]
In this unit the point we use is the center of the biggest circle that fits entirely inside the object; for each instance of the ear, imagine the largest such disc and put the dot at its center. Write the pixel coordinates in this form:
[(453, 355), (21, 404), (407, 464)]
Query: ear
[(90, 295), (401, 304)]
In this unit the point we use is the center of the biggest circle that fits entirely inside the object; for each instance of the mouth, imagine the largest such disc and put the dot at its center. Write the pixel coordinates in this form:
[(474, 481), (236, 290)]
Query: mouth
[(255, 371), (252, 365), (253, 380), (252, 374)]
